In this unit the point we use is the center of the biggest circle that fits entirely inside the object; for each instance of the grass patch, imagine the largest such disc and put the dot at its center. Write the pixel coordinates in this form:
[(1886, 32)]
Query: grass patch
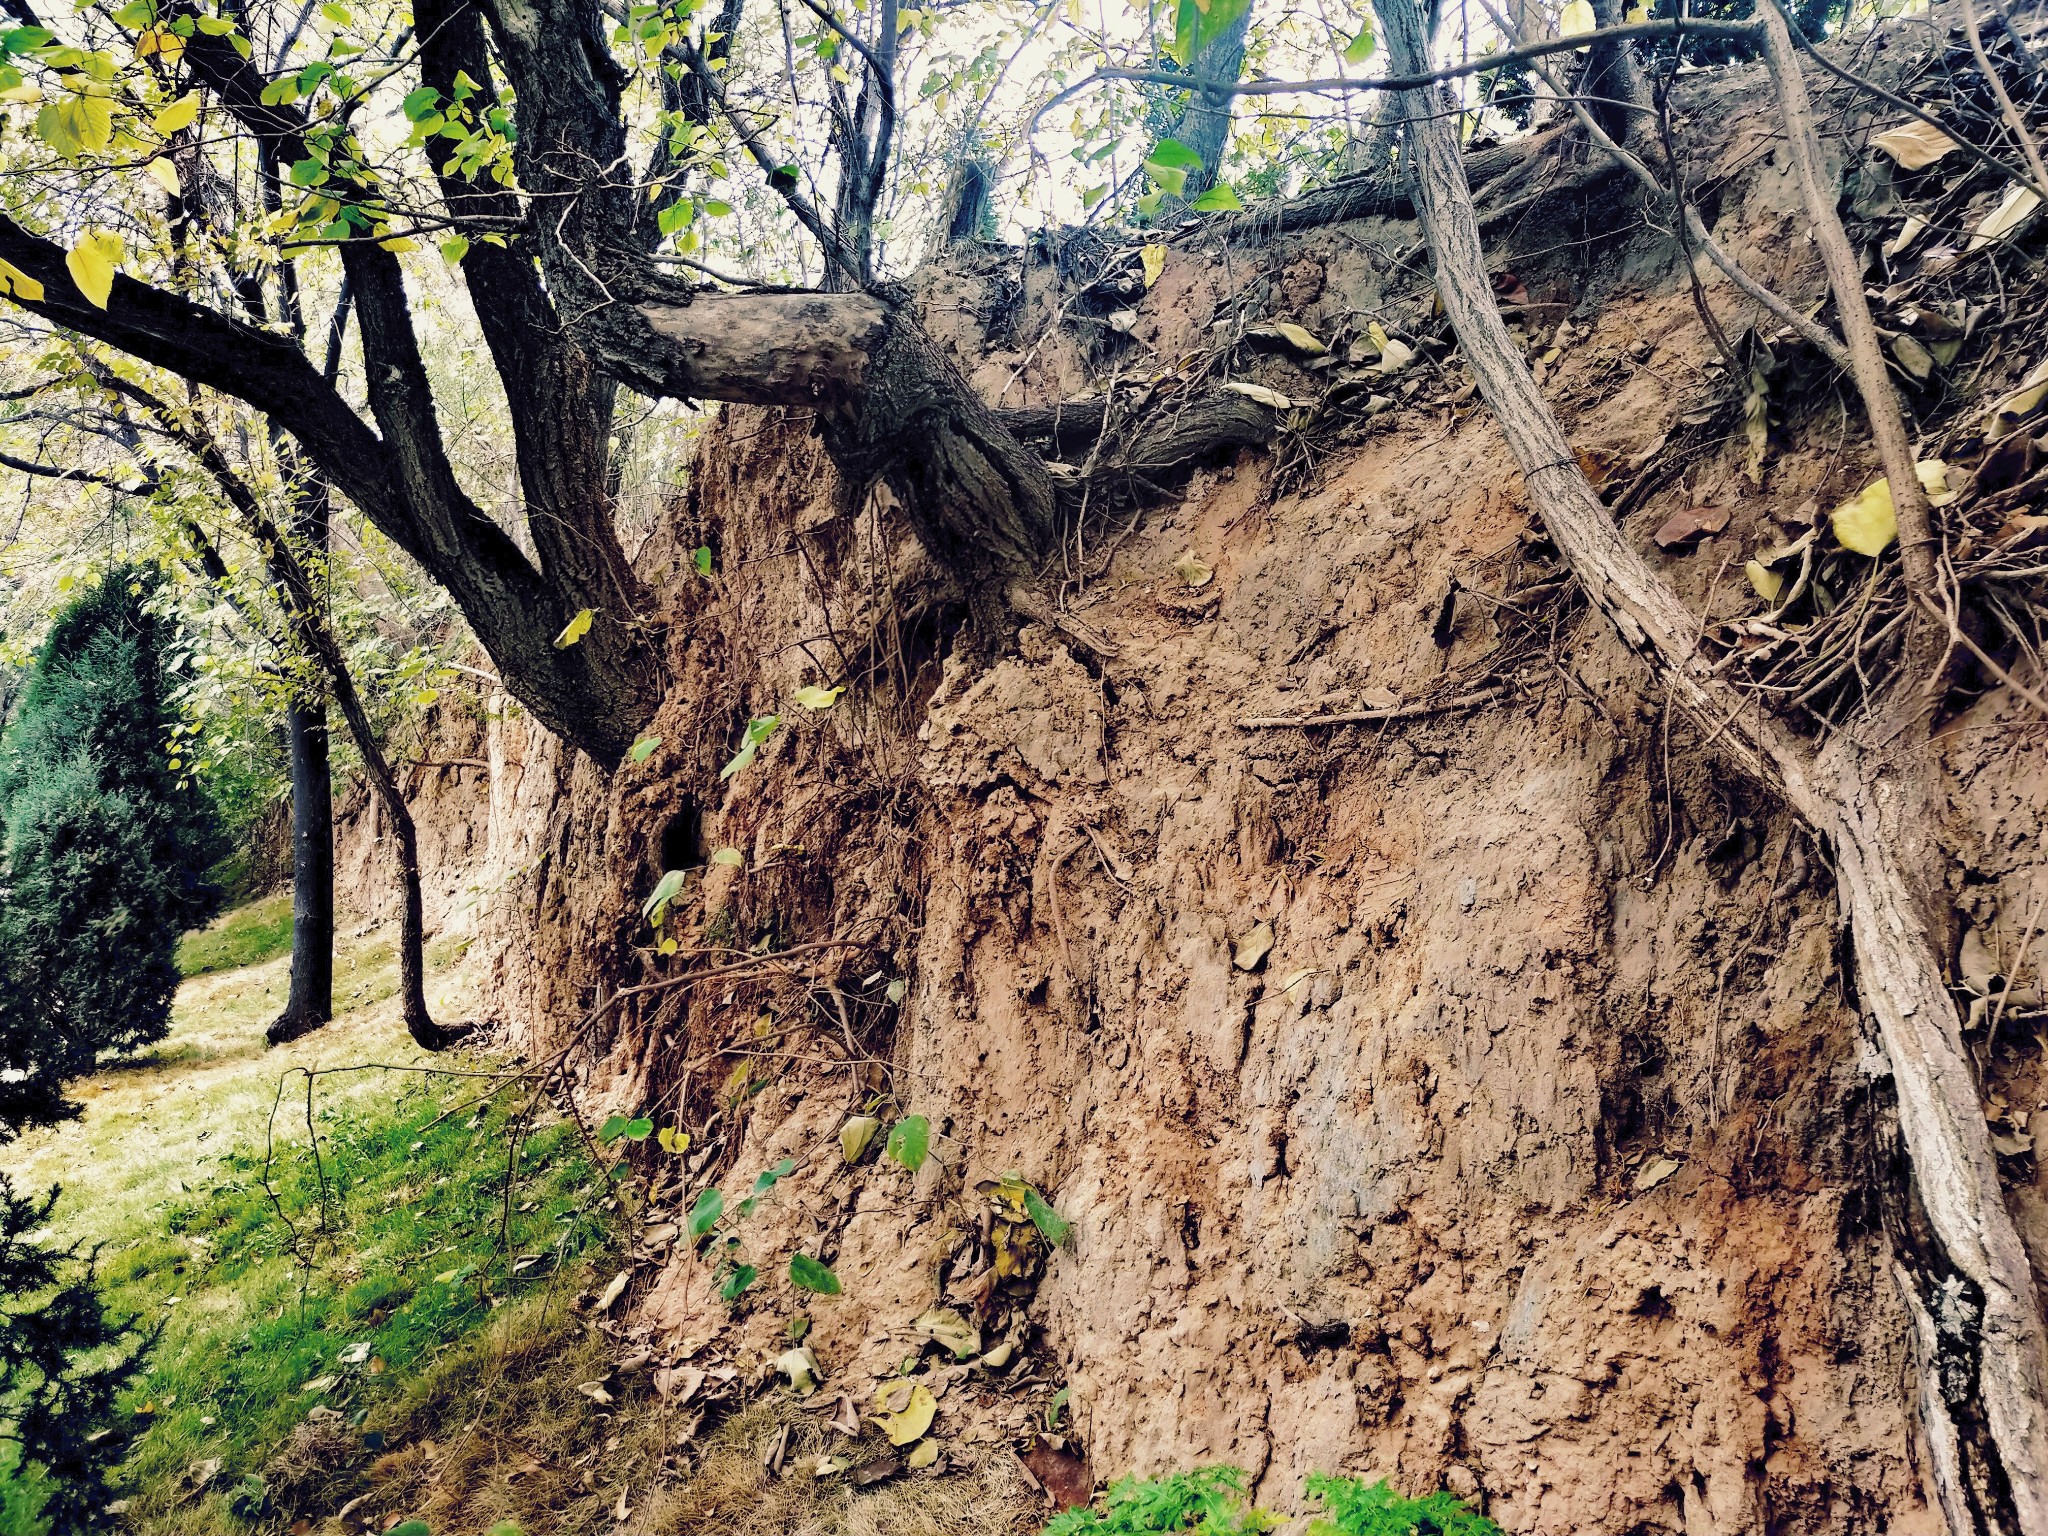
[(246, 936)]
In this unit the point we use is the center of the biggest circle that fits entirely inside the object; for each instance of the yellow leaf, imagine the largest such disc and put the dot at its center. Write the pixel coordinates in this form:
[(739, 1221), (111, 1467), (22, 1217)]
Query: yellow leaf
[(923, 1456), (1154, 259), (913, 1419), (1576, 19), (1194, 570), (92, 263), (1867, 523), (179, 114), (1637, 14), (1933, 477), (2014, 408), (165, 175), (814, 697), (575, 629), (1767, 582), (1915, 145), (1260, 393), (17, 282), (2013, 210), (1299, 338), (398, 245)]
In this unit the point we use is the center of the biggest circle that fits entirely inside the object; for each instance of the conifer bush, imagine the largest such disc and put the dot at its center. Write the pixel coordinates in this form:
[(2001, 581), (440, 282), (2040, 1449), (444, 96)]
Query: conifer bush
[(103, 866)]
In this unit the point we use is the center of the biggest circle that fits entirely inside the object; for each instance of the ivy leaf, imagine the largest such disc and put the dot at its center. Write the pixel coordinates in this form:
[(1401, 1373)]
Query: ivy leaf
[(638, 1130), (737, 1280), (92, 263), (575, 629), (1048, 1221), (612, 1129), (644, 748), (806, 1273), (705, 1213), (910, 1141)]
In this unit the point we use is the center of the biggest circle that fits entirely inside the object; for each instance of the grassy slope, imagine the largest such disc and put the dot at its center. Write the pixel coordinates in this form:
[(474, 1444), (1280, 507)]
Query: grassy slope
[(166, 1171)]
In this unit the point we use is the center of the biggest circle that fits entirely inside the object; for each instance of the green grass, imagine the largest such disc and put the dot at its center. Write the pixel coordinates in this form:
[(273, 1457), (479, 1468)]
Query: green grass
[(386, 1266), (246, 936)]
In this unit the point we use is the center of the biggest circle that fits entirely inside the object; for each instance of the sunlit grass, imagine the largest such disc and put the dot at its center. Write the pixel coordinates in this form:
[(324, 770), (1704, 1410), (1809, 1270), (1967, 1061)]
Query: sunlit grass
[(246, 936), (280, 1285)]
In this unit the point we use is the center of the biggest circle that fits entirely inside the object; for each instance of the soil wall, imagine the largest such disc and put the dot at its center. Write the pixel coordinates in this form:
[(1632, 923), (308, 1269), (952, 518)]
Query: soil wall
[(1475, 1099)]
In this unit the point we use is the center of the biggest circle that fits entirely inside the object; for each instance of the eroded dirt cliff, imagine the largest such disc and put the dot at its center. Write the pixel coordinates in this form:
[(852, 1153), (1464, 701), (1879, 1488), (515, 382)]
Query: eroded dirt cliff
[(1474, 1099)]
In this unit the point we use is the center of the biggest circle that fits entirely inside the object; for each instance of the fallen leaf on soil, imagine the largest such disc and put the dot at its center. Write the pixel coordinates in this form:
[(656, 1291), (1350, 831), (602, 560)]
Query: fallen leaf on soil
[(1684, 527), (1194, 571), (949, 1328), (1867, 523), (801, 1367), (1260, 393), (1915, 145), (855, 1135), (612, 1291), (912, 1420), (2022, 532), (1068, 1480), (1300, 339), (2013, 210), (1656, 1173), (595, 1391), (2020, 404), (923, 1455), (875, 1471), (1253, 947), (1913, 357)]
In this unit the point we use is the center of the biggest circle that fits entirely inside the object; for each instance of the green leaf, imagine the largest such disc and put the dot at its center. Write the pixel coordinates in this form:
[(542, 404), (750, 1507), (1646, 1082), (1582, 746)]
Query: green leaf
[(716, 209), (1094, 195), (612, 1129), (1361, 47), (729, 858), (26, 39), (701, 558), (644, 748), (411, 1528), (737, 1280), (806, 1273), (664, 892), (453, 249), (910, 1141), (1048, 1221), (1169, 164), (638, 1130), (1218, 199), (308, 172), (759, 729), (421, 103), (705, 1213), (768, 1178), (179, 114)]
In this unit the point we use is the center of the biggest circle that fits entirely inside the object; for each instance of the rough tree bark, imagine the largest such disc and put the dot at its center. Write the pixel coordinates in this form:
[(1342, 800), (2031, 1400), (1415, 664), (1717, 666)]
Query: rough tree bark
[(1983, 1380)]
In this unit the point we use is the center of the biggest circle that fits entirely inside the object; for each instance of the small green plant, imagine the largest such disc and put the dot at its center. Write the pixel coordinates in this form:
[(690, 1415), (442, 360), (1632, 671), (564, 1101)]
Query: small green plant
[(1209, 1501), (1353, 1507)]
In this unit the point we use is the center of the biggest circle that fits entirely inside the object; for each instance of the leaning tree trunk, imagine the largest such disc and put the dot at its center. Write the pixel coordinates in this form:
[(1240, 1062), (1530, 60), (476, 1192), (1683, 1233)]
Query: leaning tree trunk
[(1982, 1397), (1204, 124)]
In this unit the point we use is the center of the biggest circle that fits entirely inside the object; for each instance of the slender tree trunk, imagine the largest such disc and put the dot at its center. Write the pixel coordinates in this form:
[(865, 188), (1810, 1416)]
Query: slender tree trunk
[(1983, 1381), (311, 1003)]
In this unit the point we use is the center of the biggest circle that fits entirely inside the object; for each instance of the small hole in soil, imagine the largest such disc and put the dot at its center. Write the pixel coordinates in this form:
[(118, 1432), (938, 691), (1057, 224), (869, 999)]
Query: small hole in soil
[(682, 840)]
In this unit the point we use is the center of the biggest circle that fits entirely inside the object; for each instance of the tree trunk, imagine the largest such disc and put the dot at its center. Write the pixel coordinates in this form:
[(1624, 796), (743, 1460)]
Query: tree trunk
[(311, 1003), (1204, 124), (1982, 1375)]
